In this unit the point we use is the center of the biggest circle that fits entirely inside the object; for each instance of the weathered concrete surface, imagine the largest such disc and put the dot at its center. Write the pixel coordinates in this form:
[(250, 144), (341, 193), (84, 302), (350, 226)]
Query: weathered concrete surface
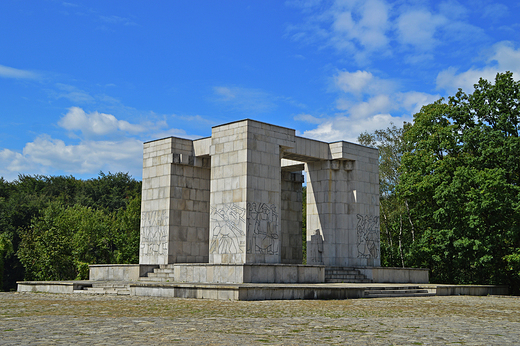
[(255, 291), (64, 319), (119, 272)]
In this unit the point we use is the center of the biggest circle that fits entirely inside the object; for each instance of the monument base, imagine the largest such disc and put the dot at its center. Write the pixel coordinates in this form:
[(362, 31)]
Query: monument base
[(251, 273), (248, 273), (119, 272)]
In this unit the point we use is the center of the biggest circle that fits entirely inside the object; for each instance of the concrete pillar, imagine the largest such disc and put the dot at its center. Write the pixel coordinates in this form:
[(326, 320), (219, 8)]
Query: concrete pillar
[(343, 208), (175, 204), (291, 218), (245, 192)]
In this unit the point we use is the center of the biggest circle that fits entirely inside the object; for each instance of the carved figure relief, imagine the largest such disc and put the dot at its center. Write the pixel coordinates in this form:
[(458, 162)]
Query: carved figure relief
[(154, 233), (262, 224), (367, 236), (316, 248), (226, 224)]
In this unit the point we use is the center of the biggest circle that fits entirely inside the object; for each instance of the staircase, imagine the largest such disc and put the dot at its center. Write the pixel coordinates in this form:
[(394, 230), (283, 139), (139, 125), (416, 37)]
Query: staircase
[(398, 291), (164, 273), (344, 275), (106, 287)]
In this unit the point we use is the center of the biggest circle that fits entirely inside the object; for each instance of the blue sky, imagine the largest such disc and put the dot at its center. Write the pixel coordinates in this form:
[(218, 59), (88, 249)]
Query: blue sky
[(84, 83)]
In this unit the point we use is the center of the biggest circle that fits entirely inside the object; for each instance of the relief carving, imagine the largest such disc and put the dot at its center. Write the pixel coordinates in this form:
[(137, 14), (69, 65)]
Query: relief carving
[(154, 233), (316, 248), (367, 236), (262, 224), (226, 224)]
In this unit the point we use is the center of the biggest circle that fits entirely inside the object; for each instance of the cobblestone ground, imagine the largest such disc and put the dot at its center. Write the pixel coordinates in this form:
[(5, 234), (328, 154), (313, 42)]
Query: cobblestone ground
[(61, 319)]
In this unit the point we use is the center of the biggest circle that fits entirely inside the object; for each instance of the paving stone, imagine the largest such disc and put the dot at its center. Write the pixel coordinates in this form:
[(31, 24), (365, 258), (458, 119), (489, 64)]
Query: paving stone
[(64, 319)]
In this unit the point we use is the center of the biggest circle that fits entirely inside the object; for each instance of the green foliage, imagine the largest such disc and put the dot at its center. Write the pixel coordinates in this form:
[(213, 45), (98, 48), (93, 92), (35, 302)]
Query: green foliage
[(450, 187), (460, 178), (6, 249), (110, 192), (56, 226), (46, 246), (127, 236)]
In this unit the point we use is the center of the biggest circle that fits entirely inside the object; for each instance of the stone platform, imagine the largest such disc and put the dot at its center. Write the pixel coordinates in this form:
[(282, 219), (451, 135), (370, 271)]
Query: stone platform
[(255, 273), (250, 291)]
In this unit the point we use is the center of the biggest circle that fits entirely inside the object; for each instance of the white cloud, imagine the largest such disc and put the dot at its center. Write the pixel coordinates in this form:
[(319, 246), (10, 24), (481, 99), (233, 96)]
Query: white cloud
[(225, 92), (344, 128), (367, 103), (357, 27), (87, 156), (494, 11), (10, 72), (95, 123), (12, 163), (308, 118), (418, 27), (364, 22), (100, 142), (412, 101), (72, 93), (374, 105), (46, 154), (502, 57), (244, 99), (362, 83), (353, 82), (379, 28)]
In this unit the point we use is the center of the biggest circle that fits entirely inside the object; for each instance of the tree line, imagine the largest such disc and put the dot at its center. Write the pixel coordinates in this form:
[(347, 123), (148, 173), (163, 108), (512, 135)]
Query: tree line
[(51, 228), (450, 187)]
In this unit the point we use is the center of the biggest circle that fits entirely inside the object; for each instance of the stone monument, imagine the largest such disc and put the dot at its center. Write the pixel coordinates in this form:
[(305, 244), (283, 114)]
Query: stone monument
[(228, 208)]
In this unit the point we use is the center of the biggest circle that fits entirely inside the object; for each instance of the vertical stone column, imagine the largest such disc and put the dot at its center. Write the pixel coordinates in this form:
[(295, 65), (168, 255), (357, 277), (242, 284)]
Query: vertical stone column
[(326, 202), (155, 202), (189, 210), (363, 205), (343, 208), (228, 191), (291, 218), (175, 203), (245, 192)]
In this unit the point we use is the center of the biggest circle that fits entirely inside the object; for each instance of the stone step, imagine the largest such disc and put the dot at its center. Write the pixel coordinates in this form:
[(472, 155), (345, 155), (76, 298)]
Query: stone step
[(337, 271), (165, 270), (393, 288), (346, 276), (95, 290), (343, 273), (161, 275), (349, 281), (396, 291), (155, 279), (104, 290), (393, 295), (111, 285), (403, 291), (166, 266)]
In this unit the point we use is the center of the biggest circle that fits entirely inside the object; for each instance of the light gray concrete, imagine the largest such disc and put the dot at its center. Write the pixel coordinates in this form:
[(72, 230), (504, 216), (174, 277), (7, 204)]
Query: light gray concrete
[(119, 272), (248, 273), (396, 275), (235, 198)]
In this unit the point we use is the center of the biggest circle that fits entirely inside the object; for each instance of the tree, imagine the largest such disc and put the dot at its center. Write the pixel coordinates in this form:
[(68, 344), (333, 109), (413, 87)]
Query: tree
[(126, 237), (46, 248), (460, 178), (40, 217)]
